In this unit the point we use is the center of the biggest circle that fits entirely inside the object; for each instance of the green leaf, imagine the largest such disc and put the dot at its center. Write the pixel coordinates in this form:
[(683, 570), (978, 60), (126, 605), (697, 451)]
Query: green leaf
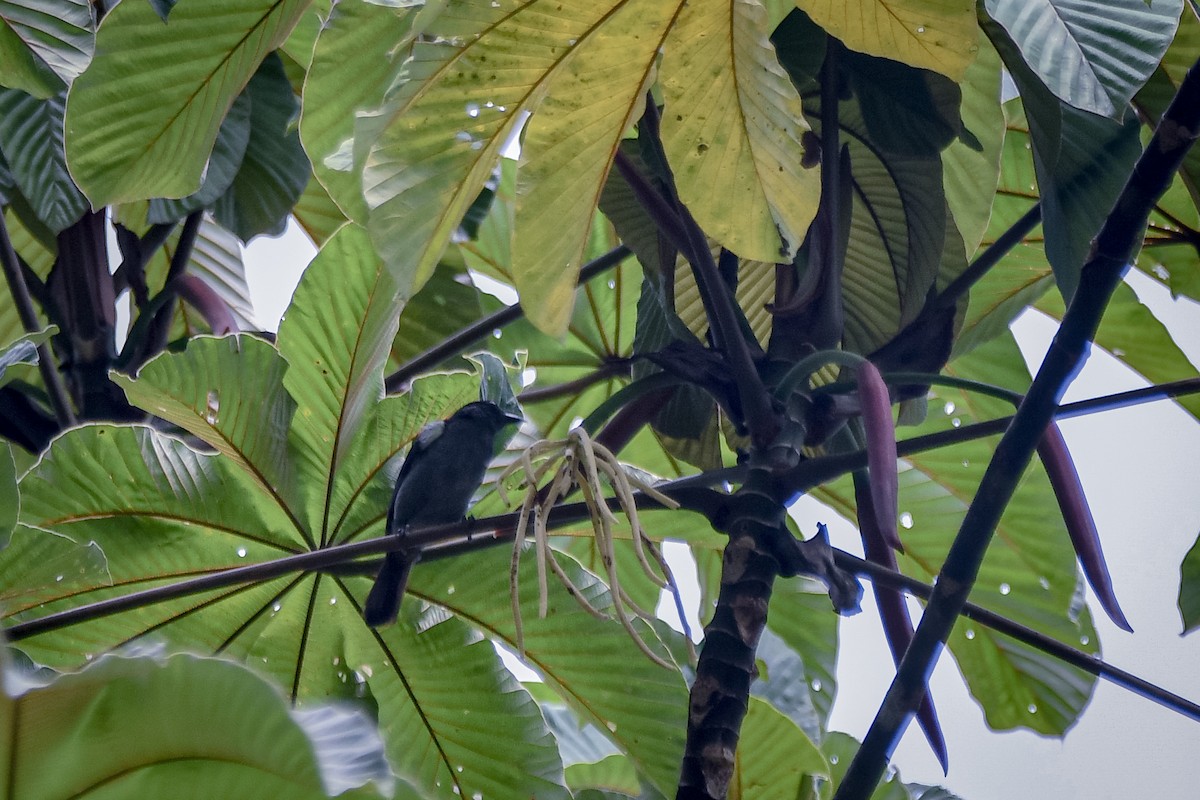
[(316, 213), (1091, 54), (175, 740), (971, 175), (51, 565), (274, 171), (804, 621), (369, 41), (223, 164), (143, 117), (941, 37), (217, 258), (298, 46), (739, 128), (438, 140), (44, 44), (229, 392), (31, 137), (592, 664), (775, 760), (897, 235), (1082, 161), (23, 351), (1189, 589), (445, 305), (612, 774), (335, 335), (442, 695), (1131, 333)]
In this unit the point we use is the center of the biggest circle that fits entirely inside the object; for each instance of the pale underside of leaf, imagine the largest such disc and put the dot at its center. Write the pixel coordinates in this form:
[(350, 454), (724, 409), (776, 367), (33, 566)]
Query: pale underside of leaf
[(1092, 55), (53, 35), (732, 128)]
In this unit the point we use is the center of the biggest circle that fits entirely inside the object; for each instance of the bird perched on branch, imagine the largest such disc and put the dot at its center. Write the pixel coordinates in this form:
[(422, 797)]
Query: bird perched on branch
[(444, 468)]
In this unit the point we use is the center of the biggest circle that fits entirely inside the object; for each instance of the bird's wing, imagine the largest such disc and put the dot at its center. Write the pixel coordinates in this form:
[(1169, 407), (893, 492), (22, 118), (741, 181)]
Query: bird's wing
[(428, 435)]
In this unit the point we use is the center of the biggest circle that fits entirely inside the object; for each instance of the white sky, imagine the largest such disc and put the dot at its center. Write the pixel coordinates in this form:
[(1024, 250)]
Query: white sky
[(1138, 468)]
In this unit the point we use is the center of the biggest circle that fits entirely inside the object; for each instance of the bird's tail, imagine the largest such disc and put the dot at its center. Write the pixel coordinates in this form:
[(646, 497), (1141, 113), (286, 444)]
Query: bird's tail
[(383, 603)]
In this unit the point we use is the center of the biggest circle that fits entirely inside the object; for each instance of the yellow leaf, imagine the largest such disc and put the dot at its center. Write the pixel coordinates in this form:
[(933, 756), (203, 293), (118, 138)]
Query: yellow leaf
[(732, 129), (939, 35)]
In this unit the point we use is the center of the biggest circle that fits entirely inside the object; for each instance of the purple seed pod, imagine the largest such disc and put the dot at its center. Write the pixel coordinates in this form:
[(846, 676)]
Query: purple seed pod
[(893, 613), (881, 450), (200, 296), (1078, 517)]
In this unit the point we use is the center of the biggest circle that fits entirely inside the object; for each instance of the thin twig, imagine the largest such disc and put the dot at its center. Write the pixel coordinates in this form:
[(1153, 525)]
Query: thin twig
[(989, 258), (1092, 664)]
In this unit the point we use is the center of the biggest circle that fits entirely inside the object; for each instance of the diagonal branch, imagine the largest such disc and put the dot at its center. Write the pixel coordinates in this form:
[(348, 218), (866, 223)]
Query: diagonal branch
[(1111, 252)]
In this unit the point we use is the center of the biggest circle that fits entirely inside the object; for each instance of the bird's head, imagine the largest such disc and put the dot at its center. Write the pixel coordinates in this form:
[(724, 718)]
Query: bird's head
[(487, 414)]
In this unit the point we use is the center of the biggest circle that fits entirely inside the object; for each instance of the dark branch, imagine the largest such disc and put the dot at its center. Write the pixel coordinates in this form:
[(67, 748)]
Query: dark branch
[(1112, 251), (29, 321)]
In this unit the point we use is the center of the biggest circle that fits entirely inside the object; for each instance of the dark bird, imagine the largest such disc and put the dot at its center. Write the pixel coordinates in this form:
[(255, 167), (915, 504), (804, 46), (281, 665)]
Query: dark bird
[(444, 468)]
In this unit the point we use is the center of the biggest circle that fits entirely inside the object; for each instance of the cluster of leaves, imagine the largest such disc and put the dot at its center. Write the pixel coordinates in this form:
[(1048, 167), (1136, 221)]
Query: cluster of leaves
[(835, 164)]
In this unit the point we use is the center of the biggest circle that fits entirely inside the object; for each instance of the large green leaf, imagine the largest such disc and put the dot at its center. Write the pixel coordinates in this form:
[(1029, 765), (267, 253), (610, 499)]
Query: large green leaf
[(1092, 54), (10, 498), (971, 175), (590, 663), (44, 44), (174, 738), (804, 620), (938, 36), (897, 235), (335, 337), (31, 138), (143, 117), (569, 145), (1131, 333), (274, 170), (229, 392), (217, 259), (22, 351), (316, 213), (1029, 574)]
